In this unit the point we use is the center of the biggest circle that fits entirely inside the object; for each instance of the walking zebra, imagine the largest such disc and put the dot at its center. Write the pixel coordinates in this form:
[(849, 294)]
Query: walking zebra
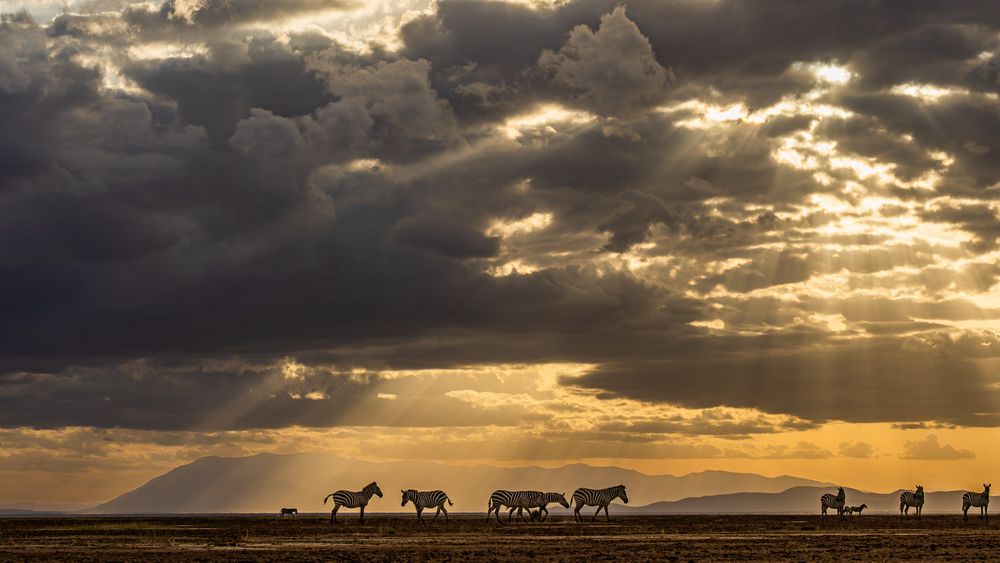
[(427, 499), (541, 501), (831, 501), (600, 498), (911, 498), (352, 499), (982, 500), (288, 512), (512, 500)]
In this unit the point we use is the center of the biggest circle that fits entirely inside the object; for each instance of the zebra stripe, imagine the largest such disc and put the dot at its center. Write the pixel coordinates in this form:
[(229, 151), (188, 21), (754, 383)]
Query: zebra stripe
[(353, 499), (600, 498), (981, 500), (541, 501), (427, 499), (830, 501), (911, 498), (512, 500)]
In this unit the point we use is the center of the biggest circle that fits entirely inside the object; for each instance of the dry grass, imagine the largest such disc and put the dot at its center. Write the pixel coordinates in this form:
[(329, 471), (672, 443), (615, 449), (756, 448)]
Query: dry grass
[(394, 538)]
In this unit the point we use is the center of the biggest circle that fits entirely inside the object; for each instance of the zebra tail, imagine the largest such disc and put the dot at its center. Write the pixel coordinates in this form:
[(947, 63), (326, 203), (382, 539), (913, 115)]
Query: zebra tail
[(327, 497), (449, 501)]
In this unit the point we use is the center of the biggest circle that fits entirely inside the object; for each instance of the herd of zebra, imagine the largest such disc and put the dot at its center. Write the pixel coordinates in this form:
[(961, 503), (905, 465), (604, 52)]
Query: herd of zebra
[(536, 502), (908, 499)]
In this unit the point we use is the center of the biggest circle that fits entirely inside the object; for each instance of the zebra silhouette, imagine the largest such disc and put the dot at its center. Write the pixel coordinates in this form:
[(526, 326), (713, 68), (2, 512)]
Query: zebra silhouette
[(353, 499), (541, 501), (600, 498), (982, 500), (427, 499), (512, 500), (831, 501), (911, 498)]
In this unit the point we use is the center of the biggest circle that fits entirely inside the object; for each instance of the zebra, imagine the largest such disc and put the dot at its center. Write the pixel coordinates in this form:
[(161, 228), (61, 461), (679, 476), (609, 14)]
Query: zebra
[(831, 501), (352, 499), (541, 501), (511, 499), (427, 499), (854, 509), (600, 498), (914, 499), (288, 512), (982, 500)]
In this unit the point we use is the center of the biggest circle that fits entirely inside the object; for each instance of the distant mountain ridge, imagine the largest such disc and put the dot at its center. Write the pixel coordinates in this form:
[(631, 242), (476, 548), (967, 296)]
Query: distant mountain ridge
[(266, 482), (796, 500)]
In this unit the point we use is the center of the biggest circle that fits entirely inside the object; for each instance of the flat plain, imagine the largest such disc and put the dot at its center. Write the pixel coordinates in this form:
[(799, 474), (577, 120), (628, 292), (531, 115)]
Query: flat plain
[(468, 537)]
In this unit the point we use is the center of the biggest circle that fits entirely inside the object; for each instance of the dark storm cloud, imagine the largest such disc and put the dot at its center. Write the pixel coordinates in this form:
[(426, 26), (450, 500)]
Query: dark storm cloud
[(270, 195)]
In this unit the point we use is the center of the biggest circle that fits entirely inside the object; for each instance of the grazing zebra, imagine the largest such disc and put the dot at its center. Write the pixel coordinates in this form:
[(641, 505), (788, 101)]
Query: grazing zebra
[(352, 499), (982, 500), (600, 498), (288, 512), (427, 499), (541, 501), (911, 498), (511, 499), (831, 501), (854, 509)]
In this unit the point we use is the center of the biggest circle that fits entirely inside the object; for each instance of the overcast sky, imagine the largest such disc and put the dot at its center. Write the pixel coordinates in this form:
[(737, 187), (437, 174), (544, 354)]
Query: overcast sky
[(668, 235)]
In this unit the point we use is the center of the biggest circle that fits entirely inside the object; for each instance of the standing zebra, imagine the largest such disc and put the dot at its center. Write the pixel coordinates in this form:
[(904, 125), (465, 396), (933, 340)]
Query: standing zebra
[(427, 499), (831, 501), (352, 499), (982, 500), (600, 498), (541, 501), (914, 499), (511, 499)]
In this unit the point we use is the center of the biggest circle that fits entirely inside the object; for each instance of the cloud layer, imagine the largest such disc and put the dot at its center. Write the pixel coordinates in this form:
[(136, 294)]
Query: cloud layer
[(783, 210)]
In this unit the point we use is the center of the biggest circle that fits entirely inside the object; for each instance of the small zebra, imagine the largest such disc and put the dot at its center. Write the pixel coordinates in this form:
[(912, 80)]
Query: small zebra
[(288, 512), (911, 498), (427, 499), (512, 500), (854, 509), (541, 501), (600, 498), (982, 500), (352, 499), (831, 501)]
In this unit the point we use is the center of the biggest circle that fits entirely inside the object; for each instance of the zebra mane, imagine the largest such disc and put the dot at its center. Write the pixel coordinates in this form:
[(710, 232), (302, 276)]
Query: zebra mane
[(370, 486)]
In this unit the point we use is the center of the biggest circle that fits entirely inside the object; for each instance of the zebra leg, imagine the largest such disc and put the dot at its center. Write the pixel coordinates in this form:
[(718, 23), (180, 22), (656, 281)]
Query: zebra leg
[(511, 513), (965, 512), (333, 515), (420, 511), (543, 513), (594, 518), (576, 512), (362, 519), (606, 515)]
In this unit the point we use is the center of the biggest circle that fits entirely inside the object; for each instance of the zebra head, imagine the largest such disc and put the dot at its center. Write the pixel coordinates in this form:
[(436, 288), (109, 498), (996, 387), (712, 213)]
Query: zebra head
[(372, 489), (560, 498), (986, 490), (841, 495), (920, 491), (408, 495), (620, 492)]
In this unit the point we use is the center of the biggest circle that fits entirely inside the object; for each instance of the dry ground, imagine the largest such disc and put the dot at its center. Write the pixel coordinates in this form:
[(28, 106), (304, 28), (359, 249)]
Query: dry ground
[(395, 538)]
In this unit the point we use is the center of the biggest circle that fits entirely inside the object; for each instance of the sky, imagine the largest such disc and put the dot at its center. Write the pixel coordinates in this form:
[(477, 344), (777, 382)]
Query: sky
[(672, 236)]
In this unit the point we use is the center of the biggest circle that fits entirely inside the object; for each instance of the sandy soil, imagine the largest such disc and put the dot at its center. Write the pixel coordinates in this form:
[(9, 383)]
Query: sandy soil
[(394, 538)]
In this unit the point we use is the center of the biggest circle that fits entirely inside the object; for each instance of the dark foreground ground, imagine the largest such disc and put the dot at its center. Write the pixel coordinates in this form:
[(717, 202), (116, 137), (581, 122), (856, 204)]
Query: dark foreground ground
[(394, 538)]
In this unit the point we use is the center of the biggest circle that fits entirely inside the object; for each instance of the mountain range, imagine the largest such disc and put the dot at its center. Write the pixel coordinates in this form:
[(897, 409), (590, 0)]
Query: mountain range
[(267, 482)]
